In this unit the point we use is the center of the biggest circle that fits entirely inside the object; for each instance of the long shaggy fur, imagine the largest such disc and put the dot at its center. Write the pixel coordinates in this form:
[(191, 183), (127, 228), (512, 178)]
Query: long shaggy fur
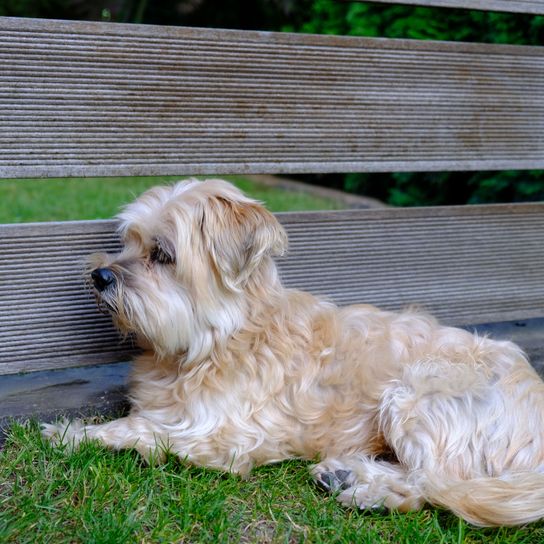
[(238, 371)]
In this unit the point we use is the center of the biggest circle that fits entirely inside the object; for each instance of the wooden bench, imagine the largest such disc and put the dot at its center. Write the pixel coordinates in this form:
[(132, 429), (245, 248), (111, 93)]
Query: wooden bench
[(98, 99)]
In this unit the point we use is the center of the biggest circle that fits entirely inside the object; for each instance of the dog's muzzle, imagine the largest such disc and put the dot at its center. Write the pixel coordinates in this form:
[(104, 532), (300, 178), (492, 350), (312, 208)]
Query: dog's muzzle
[(102, 278)]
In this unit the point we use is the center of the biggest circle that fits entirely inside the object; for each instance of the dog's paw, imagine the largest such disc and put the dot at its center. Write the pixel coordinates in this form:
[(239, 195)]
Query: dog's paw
[(333, 481), (64, 433), (360, 496), (376, 496), (332, 477)]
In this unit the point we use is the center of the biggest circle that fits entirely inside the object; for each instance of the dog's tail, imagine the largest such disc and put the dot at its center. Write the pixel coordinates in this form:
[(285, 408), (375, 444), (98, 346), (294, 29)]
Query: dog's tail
[(514, 500)]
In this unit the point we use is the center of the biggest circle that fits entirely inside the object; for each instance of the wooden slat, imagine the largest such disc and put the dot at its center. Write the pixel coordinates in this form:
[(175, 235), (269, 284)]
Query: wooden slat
[(464, 264), (513, 6), (84, 99)]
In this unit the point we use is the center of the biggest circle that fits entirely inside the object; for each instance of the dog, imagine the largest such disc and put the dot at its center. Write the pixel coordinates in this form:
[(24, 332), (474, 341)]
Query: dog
[(238, 371)]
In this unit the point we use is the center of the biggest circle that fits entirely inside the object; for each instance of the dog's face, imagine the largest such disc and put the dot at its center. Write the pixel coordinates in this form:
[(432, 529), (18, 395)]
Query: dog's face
[(191, 254)]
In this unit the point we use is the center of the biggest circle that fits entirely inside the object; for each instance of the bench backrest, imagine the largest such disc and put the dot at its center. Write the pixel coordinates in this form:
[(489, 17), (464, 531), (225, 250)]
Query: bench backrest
[(95, 99), (85, 99)]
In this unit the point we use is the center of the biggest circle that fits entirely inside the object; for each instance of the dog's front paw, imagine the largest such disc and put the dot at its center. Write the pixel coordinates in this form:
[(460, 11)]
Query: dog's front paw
[(67, 433)]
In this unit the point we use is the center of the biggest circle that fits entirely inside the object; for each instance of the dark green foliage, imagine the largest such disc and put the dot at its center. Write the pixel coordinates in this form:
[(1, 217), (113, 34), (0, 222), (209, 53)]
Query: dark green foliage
[(31, 8), (242, 14), (421, 23), (449, 188)]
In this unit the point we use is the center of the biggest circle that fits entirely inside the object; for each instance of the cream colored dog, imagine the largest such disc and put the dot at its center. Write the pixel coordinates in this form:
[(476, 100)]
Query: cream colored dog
[(238, 371)]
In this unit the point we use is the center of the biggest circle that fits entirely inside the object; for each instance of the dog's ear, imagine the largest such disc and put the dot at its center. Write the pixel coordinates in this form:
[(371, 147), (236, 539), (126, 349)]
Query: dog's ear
[(239, 235)]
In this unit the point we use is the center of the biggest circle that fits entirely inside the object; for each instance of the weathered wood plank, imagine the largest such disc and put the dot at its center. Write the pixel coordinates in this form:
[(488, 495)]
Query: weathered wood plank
[(464, 264), (84, 99), (514, 6)]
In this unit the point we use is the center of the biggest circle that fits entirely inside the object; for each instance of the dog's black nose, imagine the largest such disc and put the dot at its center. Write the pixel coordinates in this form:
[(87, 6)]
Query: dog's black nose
[(102, 278)]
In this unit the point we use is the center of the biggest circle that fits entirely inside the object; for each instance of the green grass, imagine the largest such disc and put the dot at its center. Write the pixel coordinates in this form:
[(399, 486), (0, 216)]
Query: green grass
[(28, 200), (99, 496)]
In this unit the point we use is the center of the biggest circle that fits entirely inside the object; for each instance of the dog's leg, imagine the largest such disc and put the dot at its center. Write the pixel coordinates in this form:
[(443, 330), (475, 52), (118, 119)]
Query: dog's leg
[(368, 483), (448, 420), (128, 432), (428, 419)]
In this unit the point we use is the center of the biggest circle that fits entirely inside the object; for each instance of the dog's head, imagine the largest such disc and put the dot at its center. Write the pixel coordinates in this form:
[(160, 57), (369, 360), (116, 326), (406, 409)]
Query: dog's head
[(193, 253)]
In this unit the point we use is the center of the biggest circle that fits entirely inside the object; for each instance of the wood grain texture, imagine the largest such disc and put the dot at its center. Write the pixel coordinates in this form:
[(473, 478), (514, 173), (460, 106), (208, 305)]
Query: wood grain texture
[(514, 6), (464, 264), (84, 99)]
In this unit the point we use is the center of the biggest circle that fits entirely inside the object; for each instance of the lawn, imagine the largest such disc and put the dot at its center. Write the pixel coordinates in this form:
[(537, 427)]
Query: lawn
[(99, 496), (99, 198)]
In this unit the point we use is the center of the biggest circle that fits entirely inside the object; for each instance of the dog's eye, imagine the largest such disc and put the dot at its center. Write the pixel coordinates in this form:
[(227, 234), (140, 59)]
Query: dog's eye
[(158, 255)]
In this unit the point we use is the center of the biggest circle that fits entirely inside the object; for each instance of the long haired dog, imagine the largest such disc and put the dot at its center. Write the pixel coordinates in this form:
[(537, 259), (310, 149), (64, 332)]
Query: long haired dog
[(238, 371)]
